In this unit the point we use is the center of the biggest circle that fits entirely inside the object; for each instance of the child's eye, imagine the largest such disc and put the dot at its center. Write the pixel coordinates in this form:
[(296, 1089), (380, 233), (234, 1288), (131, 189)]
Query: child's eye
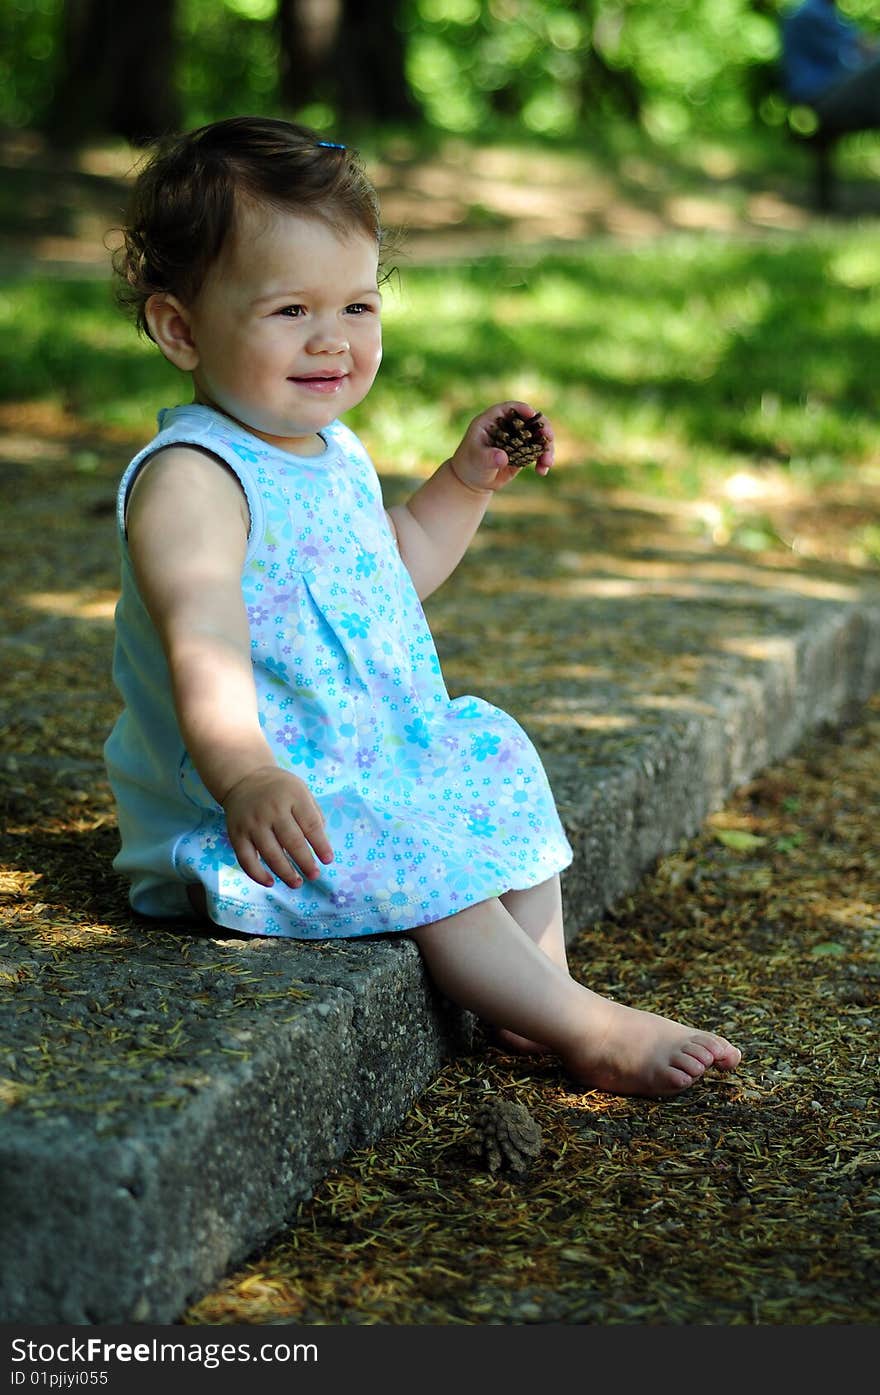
[(292, 311), (359, 309)]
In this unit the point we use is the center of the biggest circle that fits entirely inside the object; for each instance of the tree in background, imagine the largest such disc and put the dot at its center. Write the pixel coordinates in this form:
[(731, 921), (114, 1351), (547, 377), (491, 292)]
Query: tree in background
[(552, 68), (115, 71), (603, 82), (347, 54)]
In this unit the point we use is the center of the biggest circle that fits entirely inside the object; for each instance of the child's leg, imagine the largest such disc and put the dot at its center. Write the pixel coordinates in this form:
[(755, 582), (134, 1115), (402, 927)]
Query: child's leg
[(483, 960), (538, 909)]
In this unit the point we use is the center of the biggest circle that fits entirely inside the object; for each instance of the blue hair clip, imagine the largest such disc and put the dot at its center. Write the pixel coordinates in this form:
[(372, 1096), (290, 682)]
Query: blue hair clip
[(331, 145)]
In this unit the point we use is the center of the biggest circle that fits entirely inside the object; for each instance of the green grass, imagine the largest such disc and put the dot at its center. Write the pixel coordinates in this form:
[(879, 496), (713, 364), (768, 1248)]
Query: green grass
[(662, 366)]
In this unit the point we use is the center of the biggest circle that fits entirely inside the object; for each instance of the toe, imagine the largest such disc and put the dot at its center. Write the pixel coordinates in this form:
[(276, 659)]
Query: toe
[(728, 1057), (701, 1053), (677, 1080), (684, 1061), (724, 1055)]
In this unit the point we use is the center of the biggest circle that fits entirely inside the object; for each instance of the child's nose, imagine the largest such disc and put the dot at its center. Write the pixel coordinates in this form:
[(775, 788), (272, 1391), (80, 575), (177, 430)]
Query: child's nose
[(327, 339)]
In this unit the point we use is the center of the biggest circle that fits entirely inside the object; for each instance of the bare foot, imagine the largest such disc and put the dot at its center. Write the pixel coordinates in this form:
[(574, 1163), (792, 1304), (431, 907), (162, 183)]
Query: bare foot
[(638, 1053)]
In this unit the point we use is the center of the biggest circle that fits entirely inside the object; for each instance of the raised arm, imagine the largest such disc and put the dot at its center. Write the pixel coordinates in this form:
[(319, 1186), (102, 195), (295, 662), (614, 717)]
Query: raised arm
[(435, 526), (187, 530)]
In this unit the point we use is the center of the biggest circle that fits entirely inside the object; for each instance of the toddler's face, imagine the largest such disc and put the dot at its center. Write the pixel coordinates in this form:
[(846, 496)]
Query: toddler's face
[(287, 326)]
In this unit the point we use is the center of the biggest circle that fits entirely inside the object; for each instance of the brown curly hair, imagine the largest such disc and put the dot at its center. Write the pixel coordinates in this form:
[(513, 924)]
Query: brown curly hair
[(182, 206)]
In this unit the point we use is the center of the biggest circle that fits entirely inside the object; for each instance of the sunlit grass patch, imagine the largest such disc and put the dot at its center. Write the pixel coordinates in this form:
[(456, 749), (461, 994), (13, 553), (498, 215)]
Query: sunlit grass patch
[(661, 366)]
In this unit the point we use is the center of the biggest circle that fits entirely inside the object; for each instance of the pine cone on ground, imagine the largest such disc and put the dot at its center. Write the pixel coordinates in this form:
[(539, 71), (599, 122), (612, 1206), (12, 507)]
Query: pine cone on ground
[(505, 1134), (522, 438)]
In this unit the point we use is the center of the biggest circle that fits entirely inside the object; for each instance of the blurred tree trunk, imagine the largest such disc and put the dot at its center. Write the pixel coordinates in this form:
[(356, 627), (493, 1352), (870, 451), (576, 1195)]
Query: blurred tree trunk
[(602, 84), (373, 83), (308, 40), (764, 79), (347, 53), (116, 72)]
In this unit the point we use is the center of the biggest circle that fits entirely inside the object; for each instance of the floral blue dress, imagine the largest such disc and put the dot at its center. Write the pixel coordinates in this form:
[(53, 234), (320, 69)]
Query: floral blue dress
[(431, 804)]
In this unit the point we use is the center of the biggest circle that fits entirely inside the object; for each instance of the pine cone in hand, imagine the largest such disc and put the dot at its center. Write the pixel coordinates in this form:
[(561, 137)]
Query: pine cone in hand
[(505, 1134), (522, 438)]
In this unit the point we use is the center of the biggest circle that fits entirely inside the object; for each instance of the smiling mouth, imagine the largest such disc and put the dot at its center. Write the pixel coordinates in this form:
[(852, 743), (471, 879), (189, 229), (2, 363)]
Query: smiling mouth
[(320, 382)]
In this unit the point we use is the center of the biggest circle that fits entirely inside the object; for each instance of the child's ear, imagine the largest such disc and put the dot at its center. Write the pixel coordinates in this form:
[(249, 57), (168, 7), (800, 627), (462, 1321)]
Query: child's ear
[(170, 327)]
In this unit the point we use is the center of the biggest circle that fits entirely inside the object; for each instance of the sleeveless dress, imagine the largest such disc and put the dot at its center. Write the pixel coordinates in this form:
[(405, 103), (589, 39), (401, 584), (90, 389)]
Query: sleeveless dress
[(431, 804)]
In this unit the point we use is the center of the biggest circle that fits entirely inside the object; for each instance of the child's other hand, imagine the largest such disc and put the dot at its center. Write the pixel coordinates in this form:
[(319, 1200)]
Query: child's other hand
[(481, 465), (271, 814)]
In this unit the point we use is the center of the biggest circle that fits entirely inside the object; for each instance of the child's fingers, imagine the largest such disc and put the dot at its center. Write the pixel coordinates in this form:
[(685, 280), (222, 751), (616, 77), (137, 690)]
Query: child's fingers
[(525, 409), (267, 852), (546, 459), (299, 837), (285, 846), (276, 856), (311, 821), (249, 859)]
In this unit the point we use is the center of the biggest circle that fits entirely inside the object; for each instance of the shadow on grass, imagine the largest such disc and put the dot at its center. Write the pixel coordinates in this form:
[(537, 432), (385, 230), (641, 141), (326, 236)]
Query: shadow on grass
[(764, 351)]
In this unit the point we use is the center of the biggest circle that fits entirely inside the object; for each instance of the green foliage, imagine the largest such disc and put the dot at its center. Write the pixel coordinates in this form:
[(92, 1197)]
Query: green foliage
[(470, 62), (29, 41), (552, 67), (227, 60)]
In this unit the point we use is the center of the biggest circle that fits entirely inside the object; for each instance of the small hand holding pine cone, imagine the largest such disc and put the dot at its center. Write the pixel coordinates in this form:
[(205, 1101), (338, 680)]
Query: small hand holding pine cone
[(505, 1134), (522, 438)]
